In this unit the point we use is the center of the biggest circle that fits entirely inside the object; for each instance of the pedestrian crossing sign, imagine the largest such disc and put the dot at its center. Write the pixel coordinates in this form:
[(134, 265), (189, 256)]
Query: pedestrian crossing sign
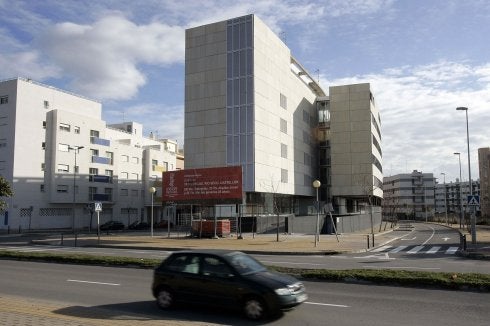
[(473, 200), (98, 207)]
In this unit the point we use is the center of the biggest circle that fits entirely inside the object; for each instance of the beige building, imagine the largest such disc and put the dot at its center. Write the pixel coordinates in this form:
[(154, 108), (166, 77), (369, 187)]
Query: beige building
[(249, 102), (484, 167)]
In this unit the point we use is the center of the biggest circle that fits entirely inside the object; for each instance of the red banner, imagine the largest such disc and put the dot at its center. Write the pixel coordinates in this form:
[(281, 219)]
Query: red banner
[(208, 183)]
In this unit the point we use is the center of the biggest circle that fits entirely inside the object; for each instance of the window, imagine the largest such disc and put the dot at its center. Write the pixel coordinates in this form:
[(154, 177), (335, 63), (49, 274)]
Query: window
[(93, 171), (134, 176), (63, 147), (63, 168), (134, 193), (284, 126), (46, 104), (109, 173), (43, 166), (135, 160), (91, 192), (76, 129), (62, 188), (124, 192), (94, 133), (124, 175), (110, 156), (44, 124), (4, 99), (108, 192), (284, 175), (95, 152), (43, 145), (41, 188), (283, 101), (64, 127), (124, 158), (284, 151)]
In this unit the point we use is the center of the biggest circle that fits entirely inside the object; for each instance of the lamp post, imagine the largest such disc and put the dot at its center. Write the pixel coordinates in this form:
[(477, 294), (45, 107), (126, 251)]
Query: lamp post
[(316, 185), (461, 218), (152, 192), (76, 149), (445, 202), (472, 215)]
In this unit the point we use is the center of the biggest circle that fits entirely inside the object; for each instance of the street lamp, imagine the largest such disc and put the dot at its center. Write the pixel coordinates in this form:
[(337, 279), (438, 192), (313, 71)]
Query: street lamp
[(472, 215), (445, 202), (461, 218), (76, 149), (152, 192), (316, 185)]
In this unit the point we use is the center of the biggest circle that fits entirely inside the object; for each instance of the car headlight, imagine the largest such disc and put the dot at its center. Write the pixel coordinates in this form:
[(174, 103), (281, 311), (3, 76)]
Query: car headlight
[(282, 291)]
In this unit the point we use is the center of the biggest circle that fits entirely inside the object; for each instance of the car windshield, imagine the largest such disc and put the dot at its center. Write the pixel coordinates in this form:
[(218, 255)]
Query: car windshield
[(245, 264)]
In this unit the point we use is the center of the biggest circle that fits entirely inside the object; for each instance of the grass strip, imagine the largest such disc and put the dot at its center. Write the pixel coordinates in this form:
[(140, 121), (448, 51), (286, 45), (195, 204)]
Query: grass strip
[(456, 281)]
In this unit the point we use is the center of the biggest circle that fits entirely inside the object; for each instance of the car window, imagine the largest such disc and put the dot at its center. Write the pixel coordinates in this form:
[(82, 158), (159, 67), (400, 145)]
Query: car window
[(185, 264), (245, 264), (213, 266)]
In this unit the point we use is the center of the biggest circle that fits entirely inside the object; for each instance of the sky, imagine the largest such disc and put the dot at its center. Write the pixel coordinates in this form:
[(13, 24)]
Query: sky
[(423, 58)]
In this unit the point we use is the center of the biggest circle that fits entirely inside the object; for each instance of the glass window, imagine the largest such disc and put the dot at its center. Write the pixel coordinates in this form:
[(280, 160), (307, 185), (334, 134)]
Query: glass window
[(93, 171), (284, 175), (64, 127), (4, 99), (62, 188), (284, 126), (63, 168), (63, 147), (284, 151), (76, 129), (124, 192)]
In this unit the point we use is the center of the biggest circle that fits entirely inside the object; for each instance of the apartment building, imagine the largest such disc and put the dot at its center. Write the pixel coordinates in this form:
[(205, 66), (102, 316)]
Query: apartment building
[(484, 167), (249, 102), (409, 196), (453, 198), (61, 157)]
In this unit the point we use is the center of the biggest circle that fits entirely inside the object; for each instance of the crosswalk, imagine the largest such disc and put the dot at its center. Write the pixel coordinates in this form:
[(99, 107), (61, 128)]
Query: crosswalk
[(411, 250)]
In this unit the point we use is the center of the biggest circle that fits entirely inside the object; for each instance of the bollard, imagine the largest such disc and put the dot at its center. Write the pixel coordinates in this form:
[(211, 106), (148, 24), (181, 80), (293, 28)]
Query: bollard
[(373, 241), (367, 240), (62, 239), (464, 242)]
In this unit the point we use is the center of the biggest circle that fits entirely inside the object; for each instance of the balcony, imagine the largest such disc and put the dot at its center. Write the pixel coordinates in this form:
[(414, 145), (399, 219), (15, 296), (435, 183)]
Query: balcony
[(100, 141), (102, 160), (159, 168), (100, 178), (100, 197)]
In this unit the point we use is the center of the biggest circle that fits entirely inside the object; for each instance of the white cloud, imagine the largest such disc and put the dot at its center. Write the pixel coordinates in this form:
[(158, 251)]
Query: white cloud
[(103, 59), (420, 125)]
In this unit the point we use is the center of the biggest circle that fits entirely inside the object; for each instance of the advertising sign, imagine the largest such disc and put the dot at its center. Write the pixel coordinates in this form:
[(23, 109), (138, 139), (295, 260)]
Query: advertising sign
[(200, 184)]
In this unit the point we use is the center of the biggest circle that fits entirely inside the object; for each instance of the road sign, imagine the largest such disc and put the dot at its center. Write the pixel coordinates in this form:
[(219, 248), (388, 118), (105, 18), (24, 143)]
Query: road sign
[(473, 200), (98, 207)]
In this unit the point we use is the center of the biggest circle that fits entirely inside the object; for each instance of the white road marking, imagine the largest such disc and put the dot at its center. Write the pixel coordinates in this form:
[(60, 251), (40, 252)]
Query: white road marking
[(445, 238), (451, 250), (433, 250), (401, 267), (327, 304), (414, 250), (409, 239), (90, 282), (431, 236), (398, 249)]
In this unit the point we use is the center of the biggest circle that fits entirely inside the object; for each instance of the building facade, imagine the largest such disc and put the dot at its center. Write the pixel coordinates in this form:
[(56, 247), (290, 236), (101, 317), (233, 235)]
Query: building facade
[(409, 196), (61, 157), (484, 167), (249, 102), (452, 197)]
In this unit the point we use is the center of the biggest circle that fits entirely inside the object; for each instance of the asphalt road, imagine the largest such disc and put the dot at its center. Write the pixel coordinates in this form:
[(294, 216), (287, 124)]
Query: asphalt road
[(125, 293), (424, 247)]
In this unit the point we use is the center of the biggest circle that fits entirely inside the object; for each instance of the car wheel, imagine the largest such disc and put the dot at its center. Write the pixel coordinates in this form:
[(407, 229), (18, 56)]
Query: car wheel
[(165, 298), (254, 308)]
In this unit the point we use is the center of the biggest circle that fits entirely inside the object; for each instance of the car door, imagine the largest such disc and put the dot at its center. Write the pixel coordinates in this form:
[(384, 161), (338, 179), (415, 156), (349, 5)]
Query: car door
[(219, 283)]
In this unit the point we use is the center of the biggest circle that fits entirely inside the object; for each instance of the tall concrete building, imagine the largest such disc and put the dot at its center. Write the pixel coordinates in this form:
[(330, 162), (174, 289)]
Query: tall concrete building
[(249, 102), (484, 167), (409, 195), (60, 156)]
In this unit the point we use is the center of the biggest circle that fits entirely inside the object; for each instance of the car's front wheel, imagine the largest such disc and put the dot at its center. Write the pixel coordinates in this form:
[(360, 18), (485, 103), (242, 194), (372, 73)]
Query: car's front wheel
[(254, 308), (165, 298)]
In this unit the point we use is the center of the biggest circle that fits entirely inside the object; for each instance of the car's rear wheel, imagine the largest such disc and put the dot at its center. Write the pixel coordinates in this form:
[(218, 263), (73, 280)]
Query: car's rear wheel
[(165, 298), (254, 308)]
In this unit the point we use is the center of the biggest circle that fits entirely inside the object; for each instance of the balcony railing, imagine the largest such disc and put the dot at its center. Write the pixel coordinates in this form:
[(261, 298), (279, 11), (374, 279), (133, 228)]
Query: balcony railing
[(100, 178), (100, 141), (102, 160), (100, 197), (159, 168)]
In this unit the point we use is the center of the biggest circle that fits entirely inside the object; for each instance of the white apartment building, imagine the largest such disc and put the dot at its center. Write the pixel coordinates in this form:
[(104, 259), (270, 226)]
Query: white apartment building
[(249, 102), (452, 197), (409, 196), (60, 157)]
